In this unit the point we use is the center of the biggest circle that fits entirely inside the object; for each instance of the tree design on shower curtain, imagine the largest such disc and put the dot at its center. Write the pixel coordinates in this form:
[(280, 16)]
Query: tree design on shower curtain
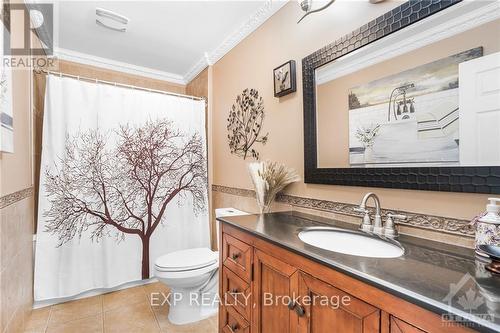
[(102, 190)]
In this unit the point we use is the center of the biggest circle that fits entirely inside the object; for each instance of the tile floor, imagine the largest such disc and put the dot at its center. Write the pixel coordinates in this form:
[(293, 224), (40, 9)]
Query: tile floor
[(124, 311)]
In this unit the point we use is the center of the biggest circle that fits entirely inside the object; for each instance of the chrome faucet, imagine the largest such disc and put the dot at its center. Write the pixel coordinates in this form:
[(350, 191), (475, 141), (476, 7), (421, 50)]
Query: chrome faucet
[(377, 228), (367, 223)]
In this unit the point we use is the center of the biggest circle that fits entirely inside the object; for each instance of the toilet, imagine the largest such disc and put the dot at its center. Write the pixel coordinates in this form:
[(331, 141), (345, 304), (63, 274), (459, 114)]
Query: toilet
[(192, 276)]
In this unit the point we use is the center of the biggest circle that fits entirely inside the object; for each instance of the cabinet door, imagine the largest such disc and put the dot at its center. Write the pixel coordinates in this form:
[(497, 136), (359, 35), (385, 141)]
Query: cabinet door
[(326, 309), (399, 326), (271, 290)]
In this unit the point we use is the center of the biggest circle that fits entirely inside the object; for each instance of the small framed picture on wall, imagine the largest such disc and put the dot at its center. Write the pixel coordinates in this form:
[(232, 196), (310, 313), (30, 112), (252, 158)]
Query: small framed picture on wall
[(284, 79)]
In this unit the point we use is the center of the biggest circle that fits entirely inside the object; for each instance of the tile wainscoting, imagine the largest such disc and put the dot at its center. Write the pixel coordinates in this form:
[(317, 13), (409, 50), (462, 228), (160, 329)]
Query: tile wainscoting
[(439, 228), (16, 266)]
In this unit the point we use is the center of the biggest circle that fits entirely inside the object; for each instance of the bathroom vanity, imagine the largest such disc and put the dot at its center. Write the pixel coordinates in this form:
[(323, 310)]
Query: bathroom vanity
[(272, 281)]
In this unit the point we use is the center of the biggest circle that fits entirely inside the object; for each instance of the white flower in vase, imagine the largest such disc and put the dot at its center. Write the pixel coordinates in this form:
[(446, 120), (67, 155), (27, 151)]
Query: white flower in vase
[(269, 178)]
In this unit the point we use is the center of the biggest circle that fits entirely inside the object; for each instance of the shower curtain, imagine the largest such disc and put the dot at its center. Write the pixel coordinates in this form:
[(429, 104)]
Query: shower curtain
[(123, 181)]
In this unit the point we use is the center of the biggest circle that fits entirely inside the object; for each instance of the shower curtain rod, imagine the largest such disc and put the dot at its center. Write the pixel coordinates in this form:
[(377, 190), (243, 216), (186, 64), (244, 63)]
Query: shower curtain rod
[(61, 74)]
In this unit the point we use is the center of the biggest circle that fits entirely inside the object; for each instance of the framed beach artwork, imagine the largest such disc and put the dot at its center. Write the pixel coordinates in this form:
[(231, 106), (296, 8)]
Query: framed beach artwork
[(410, 118), (6, 115)]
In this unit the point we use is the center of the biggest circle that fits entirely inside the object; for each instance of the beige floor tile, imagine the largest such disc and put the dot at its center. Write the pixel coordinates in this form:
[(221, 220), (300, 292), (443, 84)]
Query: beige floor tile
[(159, 289), (37, 320), (160, 310), (124, 297), (208, 325), (131, 319), (92, 324), (73, 310), (35, 330)]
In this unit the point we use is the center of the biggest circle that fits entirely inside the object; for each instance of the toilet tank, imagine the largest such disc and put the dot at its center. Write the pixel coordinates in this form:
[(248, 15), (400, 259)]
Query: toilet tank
[(222, 212)]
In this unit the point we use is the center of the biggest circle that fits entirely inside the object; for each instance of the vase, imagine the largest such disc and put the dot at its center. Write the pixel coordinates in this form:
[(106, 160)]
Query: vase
[(265, 207), (368, 154)]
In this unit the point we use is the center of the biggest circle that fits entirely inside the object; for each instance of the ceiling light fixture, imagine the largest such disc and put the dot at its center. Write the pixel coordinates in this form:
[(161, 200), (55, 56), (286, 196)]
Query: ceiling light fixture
[(306, 5), (113, 17)]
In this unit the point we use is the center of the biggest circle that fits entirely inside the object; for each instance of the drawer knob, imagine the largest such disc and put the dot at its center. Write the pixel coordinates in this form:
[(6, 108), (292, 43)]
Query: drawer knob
[(234, 290), (235, 256), (234, 327)]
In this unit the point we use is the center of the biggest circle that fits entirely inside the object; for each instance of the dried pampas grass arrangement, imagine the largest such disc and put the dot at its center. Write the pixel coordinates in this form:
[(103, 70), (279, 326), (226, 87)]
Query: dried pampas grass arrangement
[(269, 178)]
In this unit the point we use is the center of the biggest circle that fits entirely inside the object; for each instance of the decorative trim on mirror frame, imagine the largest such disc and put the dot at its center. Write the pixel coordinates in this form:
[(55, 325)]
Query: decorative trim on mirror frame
[(429, 222), (447, 179)]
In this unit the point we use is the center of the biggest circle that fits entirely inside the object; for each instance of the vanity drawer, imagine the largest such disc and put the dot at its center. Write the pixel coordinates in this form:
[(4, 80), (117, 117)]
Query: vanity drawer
[(233, 322), (237, 256), (236, 292)]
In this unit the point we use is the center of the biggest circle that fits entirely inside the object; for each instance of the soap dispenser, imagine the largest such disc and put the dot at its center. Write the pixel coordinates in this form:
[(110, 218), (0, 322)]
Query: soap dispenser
[(488, 226)]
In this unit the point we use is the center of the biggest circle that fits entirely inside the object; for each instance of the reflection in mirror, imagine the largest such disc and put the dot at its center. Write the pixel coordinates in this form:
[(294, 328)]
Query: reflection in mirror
[(428, 95)]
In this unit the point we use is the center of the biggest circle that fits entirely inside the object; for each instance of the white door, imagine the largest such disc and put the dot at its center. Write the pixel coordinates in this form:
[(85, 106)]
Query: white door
[(479, 93)]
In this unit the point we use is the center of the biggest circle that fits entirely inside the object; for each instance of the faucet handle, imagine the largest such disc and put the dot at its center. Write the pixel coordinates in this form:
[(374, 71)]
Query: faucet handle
[(390, 228), (397, 216), (360, 210), (367, 223)]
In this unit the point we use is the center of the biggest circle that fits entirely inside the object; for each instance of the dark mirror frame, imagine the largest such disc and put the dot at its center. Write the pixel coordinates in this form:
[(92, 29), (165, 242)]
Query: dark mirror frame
[(448, 179)]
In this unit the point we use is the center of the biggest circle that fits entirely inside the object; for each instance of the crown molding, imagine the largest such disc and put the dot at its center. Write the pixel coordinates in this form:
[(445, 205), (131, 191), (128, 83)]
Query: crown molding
[(468, 16), (196, 69), (124, 67), (268, 9)]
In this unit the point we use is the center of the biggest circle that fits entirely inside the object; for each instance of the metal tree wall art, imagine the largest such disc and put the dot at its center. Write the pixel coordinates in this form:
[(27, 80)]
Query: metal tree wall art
[(101, 190), (245, 123)]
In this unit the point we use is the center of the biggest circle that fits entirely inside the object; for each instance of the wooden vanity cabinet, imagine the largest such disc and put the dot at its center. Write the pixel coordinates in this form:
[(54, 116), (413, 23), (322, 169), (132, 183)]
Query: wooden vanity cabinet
[(279, 286), (352, 316), (399, 326), (272, 286)]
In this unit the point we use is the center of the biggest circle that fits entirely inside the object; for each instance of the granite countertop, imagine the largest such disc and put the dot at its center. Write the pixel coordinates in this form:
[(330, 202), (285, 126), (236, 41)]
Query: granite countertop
[(442, 278)]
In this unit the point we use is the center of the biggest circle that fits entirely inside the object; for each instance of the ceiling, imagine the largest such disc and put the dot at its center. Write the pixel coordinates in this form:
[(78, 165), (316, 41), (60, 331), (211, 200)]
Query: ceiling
[(172, 39)]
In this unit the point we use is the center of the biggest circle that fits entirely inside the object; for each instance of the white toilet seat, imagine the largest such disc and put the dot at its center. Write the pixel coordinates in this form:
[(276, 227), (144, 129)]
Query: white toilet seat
[(185, 273), (186, 263)]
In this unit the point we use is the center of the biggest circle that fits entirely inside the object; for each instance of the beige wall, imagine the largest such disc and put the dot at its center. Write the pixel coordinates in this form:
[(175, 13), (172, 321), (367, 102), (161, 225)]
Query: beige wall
[(16, 210), (119, 77), (250, 64), (333, 114), (199, 85)]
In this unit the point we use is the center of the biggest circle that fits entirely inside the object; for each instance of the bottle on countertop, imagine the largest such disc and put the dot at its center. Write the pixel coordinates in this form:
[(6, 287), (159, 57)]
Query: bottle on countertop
[(488, 226)]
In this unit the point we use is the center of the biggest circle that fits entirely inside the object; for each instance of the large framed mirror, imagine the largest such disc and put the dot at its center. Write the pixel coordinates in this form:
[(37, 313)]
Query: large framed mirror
[(410, 100)]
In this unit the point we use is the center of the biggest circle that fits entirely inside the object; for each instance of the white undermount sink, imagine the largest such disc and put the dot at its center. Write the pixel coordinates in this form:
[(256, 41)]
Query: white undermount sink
[(351, 242)]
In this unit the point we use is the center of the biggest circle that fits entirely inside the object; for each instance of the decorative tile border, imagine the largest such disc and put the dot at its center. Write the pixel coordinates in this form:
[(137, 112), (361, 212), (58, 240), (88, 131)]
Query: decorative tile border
[(11, 198), (429, 222), (234, 191)]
